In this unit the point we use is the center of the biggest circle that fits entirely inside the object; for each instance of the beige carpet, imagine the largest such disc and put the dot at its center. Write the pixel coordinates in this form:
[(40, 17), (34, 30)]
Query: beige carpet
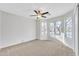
[(38, 48)]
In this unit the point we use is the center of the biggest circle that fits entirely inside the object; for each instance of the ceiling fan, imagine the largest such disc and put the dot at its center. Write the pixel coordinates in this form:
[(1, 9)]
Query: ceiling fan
[(39, 14)]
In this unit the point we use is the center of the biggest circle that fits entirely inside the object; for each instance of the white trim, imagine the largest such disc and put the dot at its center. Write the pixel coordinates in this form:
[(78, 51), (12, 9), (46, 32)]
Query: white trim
[(76, 29)]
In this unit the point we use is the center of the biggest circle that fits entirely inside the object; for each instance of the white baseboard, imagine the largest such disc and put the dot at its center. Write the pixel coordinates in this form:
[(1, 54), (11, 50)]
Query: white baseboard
[(14, 44)]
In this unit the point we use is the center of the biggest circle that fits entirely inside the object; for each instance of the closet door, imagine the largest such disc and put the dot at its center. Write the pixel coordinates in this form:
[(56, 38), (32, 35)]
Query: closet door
[(51, 29), (43, 30)]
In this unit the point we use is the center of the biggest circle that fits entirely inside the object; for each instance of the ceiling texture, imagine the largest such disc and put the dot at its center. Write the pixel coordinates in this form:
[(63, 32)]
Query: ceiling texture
[(27, 9)]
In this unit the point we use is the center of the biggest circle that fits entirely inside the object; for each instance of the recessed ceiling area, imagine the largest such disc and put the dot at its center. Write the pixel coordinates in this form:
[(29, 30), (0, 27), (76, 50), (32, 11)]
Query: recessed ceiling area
[(27, 9)]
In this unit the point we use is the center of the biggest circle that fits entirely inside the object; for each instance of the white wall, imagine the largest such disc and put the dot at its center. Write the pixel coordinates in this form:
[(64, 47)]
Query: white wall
[(16, 29)]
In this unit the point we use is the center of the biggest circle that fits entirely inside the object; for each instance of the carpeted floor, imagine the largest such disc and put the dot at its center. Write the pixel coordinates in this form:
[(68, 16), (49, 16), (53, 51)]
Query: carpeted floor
[(38, 48)]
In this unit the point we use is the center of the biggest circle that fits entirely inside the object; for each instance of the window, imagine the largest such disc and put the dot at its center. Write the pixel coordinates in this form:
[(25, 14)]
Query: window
[(58, 27), (68, 28)]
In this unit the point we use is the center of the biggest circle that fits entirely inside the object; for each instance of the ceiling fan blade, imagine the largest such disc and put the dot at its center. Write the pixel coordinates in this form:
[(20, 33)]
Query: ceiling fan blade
[(45, 13), (38, 11), (33, 15), (35, 11), (44, 16)]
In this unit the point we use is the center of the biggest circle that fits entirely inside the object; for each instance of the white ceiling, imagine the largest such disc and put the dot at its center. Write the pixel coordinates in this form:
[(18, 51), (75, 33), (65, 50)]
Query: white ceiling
[(26, 9)]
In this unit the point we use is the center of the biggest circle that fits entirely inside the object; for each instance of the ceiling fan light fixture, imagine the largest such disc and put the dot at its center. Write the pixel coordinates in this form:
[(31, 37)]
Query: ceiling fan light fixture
[(40, 14)]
